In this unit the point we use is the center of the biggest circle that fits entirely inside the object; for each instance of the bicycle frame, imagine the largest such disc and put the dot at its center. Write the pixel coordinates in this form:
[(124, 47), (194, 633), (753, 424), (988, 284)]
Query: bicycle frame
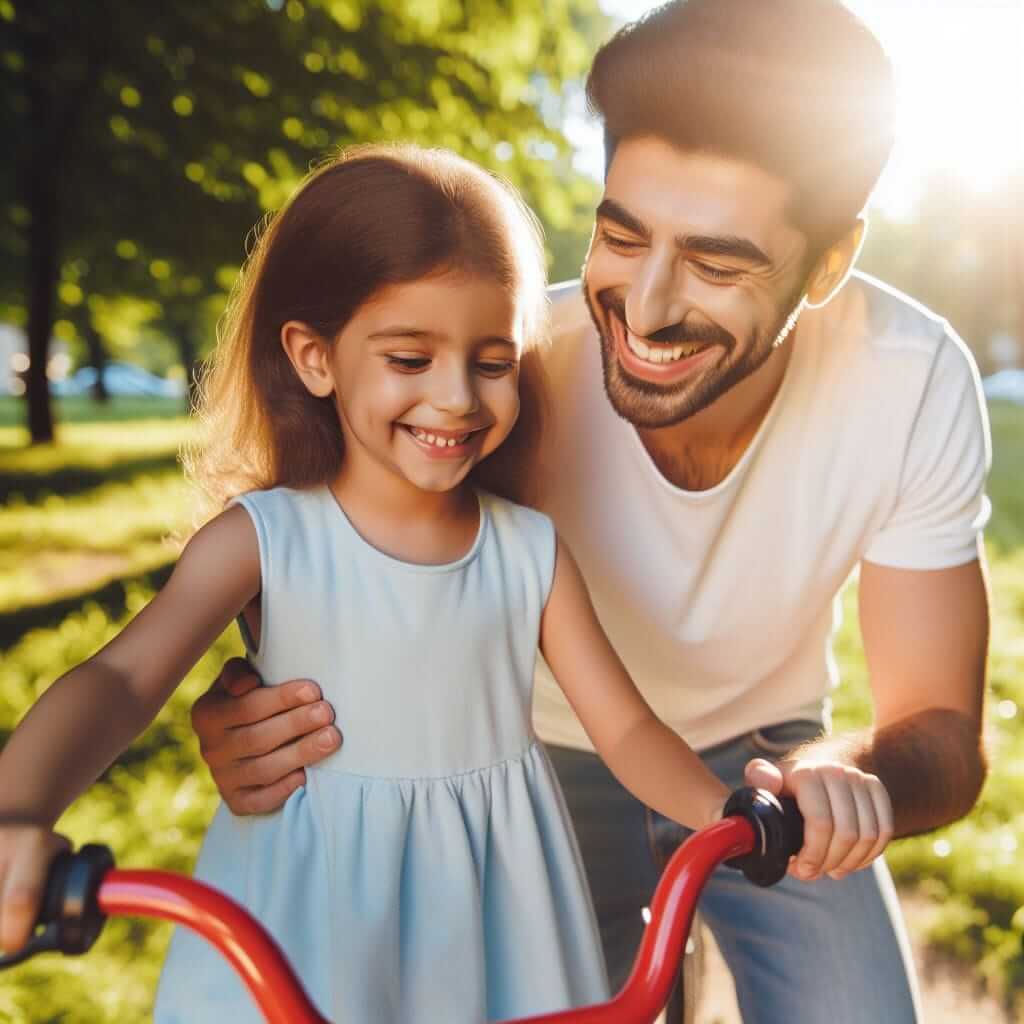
[(282, 1000)]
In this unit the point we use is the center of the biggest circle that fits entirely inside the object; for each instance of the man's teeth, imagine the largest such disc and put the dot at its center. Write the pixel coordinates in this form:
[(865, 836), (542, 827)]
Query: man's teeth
[(439, 442), (650, 354)]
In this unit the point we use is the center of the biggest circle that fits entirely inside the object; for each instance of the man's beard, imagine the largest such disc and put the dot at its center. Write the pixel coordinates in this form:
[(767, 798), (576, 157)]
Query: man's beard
[(648, 405)]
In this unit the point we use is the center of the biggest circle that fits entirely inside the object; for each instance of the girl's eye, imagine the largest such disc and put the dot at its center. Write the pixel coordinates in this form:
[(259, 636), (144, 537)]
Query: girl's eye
[(408, 364), (496, 367), (715, 273), (615, 242)]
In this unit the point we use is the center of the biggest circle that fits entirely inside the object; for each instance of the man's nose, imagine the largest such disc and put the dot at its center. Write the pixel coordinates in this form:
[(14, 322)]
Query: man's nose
[(655, 298), (454, 391)]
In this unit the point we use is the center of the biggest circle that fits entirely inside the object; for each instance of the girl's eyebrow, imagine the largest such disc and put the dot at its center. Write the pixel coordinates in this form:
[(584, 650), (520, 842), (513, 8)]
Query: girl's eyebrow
[(418, 332), (403, 332)]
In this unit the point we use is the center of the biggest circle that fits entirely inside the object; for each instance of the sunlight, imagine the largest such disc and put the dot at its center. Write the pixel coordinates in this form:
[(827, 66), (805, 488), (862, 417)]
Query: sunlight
[(960, 89)]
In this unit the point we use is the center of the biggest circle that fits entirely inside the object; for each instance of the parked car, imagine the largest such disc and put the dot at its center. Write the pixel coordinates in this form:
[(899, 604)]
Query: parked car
[(119, 379), (1005, 384)]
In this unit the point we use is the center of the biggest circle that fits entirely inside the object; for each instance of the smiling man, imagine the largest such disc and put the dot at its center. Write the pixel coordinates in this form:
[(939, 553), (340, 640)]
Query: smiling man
[(739, 423)]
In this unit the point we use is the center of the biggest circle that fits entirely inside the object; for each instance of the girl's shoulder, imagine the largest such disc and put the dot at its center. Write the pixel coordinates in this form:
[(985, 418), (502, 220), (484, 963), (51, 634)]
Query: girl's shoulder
[(522, 516), (517, 523), (279, 500), (284, 512)]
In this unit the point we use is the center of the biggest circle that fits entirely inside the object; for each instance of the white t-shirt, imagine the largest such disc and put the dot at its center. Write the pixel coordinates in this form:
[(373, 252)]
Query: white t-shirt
[(722, 603)]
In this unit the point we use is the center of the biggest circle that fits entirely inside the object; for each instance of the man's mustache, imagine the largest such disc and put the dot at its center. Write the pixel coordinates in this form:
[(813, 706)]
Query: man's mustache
[(675, 334)]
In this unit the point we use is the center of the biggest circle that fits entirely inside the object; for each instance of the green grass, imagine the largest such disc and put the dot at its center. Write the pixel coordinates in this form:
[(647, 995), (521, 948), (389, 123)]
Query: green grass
[(86, 455), (105, 501), (81, 409), (153, 805), (64, 544)]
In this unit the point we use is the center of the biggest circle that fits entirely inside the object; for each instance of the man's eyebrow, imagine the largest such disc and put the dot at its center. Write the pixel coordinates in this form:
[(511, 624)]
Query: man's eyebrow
[(711, 245), (613, 211), (725, 245)]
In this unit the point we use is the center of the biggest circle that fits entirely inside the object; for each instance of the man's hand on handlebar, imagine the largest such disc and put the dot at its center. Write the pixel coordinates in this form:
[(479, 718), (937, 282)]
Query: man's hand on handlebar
[(258, 740), (848, 819)]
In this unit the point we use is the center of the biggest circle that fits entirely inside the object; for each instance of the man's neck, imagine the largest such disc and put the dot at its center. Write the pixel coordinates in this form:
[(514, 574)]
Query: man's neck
[(700, 452)]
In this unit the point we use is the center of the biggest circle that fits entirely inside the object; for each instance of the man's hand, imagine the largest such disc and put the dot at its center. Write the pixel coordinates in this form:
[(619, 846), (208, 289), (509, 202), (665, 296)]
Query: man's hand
[(258, 740), (848, 819)]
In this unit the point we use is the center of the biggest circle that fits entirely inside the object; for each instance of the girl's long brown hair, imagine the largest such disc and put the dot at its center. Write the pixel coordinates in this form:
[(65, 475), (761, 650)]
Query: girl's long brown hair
[(369, 217)]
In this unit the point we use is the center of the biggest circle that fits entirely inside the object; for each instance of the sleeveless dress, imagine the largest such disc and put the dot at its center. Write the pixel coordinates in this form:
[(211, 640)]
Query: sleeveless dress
[(427, 870)]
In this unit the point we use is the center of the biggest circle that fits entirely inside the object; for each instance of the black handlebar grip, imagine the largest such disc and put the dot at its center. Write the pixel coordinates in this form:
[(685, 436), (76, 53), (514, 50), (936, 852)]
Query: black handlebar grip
[(70, 914), (779, 830)]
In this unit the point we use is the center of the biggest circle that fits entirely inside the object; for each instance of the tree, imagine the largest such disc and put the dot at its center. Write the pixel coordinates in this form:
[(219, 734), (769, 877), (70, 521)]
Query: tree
[(159, 133)]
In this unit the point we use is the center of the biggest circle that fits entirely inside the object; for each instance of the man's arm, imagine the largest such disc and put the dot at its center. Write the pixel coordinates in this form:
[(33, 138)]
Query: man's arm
[(925, 637)]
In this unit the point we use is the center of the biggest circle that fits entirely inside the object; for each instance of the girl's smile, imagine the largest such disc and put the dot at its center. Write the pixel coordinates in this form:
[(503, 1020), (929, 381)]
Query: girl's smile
[(444, 444)]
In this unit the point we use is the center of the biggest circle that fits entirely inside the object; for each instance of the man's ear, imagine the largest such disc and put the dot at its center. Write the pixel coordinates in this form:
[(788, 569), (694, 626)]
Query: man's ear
[(835, 265), (308, 354)]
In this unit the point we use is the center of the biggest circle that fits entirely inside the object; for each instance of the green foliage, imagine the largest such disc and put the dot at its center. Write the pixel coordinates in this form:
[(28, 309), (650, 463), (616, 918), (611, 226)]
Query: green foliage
[(186, 122)]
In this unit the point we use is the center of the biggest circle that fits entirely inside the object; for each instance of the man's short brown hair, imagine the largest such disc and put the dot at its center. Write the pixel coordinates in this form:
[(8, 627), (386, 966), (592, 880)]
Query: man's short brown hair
[(800, 88)]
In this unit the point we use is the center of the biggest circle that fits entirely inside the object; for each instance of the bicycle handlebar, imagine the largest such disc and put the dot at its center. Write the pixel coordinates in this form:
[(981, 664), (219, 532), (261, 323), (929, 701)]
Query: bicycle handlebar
[(757, 835)]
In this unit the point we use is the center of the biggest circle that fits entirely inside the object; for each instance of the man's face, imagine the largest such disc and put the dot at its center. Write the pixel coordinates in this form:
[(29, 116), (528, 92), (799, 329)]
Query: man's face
[(692, 272)]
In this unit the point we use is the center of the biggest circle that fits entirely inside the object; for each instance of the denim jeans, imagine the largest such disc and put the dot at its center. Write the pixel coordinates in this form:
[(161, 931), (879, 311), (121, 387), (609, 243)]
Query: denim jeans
[(820, 952)]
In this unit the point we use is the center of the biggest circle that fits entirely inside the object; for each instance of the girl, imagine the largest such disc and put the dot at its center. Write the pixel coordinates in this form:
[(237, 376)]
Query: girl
[(380, 347)]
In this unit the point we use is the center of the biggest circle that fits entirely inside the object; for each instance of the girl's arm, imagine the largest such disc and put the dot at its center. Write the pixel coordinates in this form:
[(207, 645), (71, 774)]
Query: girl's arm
[(651, 760), (92, 713), (847, 814)]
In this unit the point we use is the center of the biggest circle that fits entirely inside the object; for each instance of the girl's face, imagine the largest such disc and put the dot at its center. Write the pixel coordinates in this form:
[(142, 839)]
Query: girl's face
[(426, 377)]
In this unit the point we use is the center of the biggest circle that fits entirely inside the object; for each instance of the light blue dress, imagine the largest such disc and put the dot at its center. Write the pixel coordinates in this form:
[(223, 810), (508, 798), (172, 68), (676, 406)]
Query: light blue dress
[(427, 870)]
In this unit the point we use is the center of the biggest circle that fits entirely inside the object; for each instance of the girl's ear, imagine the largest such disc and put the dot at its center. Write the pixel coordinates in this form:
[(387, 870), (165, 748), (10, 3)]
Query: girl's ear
[(835, 264), (308, 354)]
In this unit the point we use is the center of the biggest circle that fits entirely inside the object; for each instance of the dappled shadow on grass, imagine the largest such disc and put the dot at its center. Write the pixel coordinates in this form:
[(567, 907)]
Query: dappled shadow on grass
[(33, 486), (112, 598)]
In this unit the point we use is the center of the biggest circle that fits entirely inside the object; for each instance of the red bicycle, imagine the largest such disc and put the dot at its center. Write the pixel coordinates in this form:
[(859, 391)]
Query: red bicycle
[(757, 834)]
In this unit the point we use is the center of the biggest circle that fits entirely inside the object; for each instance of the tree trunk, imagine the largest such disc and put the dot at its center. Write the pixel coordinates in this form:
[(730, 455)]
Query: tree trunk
[(97, 359), (43, 246), (55, 113), (182, 334)]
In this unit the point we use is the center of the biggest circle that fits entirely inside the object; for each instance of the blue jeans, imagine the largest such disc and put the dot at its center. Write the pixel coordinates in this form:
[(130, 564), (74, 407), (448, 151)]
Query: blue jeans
[(821, 952)]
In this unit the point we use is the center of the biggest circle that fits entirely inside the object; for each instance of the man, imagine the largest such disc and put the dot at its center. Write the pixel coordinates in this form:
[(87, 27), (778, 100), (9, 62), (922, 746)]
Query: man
[(739, 423)]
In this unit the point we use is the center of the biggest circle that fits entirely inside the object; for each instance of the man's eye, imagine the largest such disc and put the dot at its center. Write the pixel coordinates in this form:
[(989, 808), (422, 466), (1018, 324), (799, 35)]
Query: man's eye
[(496, 367), (715, 273), (615, 242), (408, 364)]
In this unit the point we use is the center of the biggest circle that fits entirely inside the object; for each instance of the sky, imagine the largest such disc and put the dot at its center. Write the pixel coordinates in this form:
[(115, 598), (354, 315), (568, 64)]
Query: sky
[(960, 89)]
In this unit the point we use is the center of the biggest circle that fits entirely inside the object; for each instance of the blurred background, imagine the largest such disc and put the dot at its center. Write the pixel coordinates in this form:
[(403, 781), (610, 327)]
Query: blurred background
[(143, 143)]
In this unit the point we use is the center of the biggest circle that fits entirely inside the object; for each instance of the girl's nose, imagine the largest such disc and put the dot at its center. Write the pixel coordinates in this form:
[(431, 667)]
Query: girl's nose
[(454, 392), (655, 298)]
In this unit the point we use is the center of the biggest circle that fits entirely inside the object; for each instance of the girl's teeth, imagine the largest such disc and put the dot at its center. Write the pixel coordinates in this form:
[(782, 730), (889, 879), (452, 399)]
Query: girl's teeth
[(439, 442)]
